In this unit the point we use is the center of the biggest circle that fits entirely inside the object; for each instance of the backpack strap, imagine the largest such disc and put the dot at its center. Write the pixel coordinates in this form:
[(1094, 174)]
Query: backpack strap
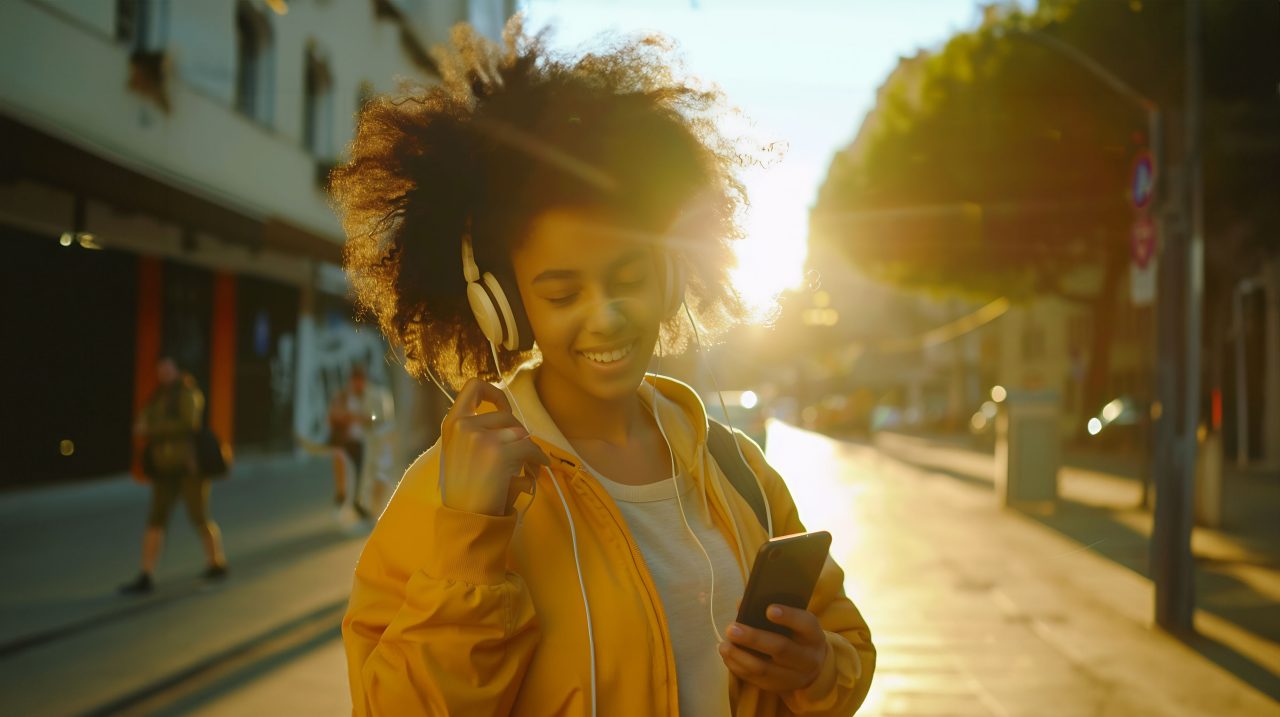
[(724, 450)]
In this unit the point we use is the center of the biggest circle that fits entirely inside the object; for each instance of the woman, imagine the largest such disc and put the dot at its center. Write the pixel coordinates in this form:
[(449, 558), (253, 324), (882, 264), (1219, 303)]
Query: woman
[(169, 423), (569, 545)]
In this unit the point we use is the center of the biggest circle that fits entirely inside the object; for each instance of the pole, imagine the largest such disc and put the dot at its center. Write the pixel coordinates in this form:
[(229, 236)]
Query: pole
[(1155, 145), (1172, 566)]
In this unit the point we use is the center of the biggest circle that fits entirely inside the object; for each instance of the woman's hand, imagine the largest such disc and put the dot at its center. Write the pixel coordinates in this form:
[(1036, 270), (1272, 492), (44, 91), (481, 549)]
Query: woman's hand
[(481, 453), (793, 662)]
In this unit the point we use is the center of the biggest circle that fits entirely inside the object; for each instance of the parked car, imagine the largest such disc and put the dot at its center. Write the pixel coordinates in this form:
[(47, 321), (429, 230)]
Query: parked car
[(1118, 424)]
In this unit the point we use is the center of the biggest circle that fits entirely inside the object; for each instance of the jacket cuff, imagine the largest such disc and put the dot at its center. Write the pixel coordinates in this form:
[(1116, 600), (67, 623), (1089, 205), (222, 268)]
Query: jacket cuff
[(819, 692), (468, 547)]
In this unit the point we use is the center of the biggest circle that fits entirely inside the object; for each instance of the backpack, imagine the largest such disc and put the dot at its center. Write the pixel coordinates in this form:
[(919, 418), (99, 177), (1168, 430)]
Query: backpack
[(724, 450)]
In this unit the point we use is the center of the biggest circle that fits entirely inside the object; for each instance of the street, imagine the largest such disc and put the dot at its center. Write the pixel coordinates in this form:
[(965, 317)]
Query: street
[(974, 610)]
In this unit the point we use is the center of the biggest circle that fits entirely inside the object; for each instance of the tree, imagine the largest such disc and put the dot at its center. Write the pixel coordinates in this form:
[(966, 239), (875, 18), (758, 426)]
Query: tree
[(999, 167)]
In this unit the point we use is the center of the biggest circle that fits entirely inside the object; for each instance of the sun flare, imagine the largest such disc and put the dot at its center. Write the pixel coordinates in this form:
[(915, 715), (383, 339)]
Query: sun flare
[(771, 256)]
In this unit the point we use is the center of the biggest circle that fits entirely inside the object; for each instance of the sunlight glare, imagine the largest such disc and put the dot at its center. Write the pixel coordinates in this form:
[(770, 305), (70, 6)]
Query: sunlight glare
[(771, 256)]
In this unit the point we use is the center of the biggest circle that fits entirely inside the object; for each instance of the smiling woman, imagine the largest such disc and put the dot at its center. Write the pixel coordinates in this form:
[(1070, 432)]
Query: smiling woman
[(564, 211)]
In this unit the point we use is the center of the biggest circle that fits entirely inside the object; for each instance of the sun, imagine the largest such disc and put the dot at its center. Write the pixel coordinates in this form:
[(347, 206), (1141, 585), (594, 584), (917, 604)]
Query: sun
[(772, 254)]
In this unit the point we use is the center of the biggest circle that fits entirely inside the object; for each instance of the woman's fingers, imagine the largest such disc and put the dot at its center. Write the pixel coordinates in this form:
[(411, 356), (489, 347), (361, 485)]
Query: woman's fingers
[(489, 422), (803, 624), (476, 392), (769, 643), (756, 670), (792, 660), (526, 452), (463, 412)]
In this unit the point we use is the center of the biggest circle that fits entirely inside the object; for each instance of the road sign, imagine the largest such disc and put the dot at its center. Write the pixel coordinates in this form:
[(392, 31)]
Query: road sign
[(1142, 240), (1142, 185)]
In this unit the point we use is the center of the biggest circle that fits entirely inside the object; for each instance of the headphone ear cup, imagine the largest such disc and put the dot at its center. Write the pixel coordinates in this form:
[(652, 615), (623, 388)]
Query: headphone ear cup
[(519, 331), (485, 312), (522, 329), (507, 320)]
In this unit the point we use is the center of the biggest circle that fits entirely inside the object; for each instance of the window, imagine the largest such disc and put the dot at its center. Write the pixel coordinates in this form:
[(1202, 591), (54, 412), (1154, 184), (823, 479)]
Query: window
[(130, 20), (317, 111), (254, 63), (142, 24)]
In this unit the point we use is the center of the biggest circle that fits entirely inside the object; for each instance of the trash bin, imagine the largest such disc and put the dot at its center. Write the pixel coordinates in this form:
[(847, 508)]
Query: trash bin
[(1028, 448), (1209, 479)]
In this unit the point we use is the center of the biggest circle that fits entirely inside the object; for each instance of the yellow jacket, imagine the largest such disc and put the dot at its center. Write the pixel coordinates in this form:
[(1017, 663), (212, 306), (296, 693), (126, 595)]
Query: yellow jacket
[(467, 614)]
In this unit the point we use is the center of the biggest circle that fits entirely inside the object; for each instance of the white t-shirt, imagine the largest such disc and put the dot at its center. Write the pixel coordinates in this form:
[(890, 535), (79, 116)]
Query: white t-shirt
[(683, 579)]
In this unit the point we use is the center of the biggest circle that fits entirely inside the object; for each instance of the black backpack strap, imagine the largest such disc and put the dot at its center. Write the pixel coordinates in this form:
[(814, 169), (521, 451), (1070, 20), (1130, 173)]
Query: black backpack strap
[(724, 449)]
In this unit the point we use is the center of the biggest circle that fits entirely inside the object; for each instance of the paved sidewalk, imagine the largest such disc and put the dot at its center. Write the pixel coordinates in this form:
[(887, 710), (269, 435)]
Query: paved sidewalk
[(69, 644), (69, 546), (1238, 565), (981, 611), (1238, 577)]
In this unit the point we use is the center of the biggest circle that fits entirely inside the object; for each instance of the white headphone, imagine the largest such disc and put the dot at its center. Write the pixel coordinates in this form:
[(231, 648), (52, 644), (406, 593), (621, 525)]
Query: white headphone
[(500, 313)]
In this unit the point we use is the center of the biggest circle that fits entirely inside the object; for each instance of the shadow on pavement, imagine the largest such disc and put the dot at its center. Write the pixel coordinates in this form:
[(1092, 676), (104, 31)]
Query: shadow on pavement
[(1101, 531), (112, 607), (1216, 593)]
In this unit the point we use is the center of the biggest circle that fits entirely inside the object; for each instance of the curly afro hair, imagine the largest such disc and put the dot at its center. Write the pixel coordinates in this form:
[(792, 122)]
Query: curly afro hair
[(511, 132)]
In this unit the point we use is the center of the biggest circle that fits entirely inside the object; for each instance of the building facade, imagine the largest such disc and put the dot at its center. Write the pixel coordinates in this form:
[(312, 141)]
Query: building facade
[(162, 171)]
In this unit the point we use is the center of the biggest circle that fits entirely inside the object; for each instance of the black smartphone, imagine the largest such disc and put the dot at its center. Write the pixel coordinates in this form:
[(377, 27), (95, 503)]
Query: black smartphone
[(785, 573)]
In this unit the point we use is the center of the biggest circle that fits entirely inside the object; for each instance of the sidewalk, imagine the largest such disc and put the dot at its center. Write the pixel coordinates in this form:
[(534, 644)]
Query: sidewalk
[(1238, 577), (981, 611), (71, 644)]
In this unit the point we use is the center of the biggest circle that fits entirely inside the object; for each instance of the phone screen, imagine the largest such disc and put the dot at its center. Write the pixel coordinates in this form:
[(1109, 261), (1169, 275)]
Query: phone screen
[(785, 573)]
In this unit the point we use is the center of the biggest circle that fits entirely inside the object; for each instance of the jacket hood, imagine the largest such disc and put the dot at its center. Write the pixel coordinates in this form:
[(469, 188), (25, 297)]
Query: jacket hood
[(679, 408)]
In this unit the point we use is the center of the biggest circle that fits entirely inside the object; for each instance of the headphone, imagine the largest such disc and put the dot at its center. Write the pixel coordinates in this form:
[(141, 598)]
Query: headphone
[(500, 313)]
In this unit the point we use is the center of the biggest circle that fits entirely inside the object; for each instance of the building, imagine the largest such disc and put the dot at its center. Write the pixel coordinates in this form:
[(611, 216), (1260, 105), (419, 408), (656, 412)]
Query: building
[(162, 169)]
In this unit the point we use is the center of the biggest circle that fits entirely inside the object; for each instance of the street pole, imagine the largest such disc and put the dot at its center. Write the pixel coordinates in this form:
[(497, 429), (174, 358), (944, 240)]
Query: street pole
[(1172, 566), (1149, 338)]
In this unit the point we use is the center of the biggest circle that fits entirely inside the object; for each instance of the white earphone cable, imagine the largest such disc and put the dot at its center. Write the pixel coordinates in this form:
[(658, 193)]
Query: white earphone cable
[(432, 375), (711, 599), (768, 513)]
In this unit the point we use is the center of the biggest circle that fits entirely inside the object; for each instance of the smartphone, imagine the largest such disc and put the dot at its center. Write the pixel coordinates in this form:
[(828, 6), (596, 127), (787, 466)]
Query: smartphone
[(785, 573)]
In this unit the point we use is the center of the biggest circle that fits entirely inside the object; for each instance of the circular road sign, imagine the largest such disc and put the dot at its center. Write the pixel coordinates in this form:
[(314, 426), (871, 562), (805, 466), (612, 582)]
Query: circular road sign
[(1143, 183)]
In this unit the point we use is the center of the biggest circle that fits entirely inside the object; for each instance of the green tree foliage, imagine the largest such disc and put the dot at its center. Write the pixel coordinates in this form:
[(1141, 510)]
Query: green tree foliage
[(998, 166)]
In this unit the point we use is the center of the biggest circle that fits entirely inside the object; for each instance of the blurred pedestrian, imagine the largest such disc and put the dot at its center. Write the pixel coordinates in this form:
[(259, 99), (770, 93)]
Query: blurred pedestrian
[(168, 425), (571, 541), (361, 420)]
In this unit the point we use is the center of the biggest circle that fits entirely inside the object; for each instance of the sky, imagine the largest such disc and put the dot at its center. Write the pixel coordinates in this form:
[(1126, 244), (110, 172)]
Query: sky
[(804, 71)]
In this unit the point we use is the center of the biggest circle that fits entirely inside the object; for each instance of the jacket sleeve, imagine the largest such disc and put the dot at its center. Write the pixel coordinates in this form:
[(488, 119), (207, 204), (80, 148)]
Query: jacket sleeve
[(436, 624), (845, 678)]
